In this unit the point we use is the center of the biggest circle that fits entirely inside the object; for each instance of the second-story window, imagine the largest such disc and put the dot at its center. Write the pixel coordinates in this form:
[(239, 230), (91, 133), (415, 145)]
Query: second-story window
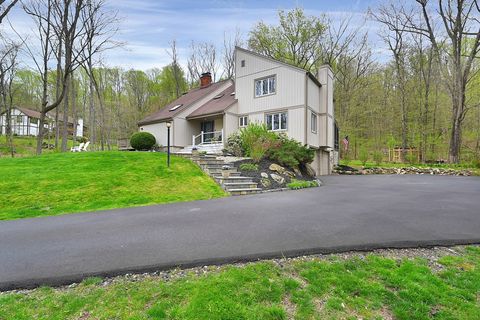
[(313, 123), (265, 86)]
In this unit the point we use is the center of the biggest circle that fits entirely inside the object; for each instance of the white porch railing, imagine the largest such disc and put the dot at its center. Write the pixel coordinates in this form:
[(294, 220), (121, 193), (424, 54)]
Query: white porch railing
[(207, 138)]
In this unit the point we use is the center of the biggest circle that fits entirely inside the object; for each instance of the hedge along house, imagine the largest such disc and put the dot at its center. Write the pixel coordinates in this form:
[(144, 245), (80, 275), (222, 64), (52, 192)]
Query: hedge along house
[(287, 99)]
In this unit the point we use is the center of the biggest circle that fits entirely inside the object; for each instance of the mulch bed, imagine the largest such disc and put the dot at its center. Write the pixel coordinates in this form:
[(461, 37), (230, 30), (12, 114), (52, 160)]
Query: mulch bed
[(263, 166)]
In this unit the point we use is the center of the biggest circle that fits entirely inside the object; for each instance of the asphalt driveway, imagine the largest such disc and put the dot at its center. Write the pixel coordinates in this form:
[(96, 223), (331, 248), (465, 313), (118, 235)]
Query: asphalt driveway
[(348, 212)]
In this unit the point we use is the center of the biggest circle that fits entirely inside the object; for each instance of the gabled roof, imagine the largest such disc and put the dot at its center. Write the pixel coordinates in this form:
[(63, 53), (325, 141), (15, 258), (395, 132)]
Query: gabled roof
[(308, 73), (185, 101), (217, 105), (29, 112)]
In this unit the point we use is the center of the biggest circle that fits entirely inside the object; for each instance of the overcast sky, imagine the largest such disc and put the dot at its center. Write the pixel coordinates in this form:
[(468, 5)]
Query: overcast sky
[(148, 26)]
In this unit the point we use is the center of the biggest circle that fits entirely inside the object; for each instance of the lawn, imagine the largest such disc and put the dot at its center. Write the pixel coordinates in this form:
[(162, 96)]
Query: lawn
[(61, 183), (362, 286), (26, 146)]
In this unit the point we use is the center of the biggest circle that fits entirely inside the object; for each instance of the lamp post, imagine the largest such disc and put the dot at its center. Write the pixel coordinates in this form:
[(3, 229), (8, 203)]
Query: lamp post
[(169, 124)]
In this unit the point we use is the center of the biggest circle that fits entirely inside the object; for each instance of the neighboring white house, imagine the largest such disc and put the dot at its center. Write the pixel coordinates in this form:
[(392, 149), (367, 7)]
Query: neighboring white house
[(25, 122), (286, 98)]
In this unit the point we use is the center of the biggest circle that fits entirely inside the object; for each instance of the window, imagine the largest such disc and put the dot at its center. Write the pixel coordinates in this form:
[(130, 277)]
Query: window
[(313, 123), (33, 121), (243, 63), (265, 86), (19, 119), (276, 121), (243, 121), (176, 107)]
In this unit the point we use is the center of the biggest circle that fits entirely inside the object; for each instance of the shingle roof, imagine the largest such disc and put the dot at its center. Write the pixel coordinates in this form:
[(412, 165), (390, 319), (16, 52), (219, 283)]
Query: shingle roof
[(29, 112), (185, 101), (217, 105)]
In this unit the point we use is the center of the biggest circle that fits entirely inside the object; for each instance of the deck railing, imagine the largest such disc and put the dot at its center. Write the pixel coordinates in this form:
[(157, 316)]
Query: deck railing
[(208, 138)]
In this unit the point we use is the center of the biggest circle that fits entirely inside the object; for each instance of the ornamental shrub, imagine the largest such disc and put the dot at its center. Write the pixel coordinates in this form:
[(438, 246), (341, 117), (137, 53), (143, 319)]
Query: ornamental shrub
[(249, 167), (142, 141), (291, 153), (257, 140), (234, 145)]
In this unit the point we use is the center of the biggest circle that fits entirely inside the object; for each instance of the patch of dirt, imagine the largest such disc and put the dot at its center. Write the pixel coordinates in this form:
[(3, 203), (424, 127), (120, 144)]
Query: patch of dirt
[(290, 307), (386, 314)]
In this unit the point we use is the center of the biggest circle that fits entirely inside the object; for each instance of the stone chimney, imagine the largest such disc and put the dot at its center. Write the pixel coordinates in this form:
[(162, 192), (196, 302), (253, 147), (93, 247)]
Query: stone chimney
[(205, 79)]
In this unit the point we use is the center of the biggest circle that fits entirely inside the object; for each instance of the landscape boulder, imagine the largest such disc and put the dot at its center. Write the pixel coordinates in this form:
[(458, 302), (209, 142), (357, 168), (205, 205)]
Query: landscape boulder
[(277, 168), (278, 179)]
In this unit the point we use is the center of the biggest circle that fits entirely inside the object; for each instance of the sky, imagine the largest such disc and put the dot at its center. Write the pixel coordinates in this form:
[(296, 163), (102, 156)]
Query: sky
[(147, 27)]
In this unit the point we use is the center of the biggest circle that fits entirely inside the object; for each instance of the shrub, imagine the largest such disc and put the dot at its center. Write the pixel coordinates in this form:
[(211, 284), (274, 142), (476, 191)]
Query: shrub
[(142, 141), (291, 153), (363, 156), (377, 157), (257, 140), (249, 167), (234, 145), (301, 184)]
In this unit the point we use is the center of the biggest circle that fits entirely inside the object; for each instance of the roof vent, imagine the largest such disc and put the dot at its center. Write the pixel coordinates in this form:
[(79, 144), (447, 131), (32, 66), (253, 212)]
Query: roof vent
[(233, 93), (176, 107), (218, 96)]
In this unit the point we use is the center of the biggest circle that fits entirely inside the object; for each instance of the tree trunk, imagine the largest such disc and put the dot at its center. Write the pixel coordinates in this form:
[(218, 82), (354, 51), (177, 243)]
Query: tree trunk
[(65, 116)]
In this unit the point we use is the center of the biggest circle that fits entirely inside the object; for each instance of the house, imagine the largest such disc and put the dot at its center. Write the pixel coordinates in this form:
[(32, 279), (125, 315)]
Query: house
[(286, 98), (25, 122)]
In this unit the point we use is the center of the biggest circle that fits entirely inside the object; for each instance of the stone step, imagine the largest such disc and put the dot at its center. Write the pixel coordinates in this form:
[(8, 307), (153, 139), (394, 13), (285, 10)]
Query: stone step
[(243, 191), (239, 185), (216, 166), (218, 171), (230, 179), (210, 161)]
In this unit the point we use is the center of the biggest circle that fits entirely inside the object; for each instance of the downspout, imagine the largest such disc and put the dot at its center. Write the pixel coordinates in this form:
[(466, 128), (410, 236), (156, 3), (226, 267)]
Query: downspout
[(306, 109)]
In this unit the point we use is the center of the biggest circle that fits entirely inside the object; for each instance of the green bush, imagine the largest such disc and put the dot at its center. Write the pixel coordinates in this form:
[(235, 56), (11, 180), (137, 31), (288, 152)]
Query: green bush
[(301, 184), (234, 145), (363, 156), (291, 153), (377, 157), (257, 140), (249, 167), (142, 141)]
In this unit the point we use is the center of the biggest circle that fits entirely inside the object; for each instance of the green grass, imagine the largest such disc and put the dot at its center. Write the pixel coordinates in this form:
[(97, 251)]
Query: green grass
[(73, 182), (372, 287), (301, 184), (249, 166), (26, 146)]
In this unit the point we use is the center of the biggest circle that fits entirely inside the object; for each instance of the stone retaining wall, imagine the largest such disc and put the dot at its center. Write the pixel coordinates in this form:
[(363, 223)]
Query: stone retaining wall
[(404, 170)]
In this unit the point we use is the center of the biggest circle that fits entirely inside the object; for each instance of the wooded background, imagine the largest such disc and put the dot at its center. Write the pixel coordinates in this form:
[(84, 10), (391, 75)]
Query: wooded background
[(422, 93)]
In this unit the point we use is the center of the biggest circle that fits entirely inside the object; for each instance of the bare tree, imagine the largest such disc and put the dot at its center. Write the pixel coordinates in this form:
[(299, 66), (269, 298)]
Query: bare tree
[(203, 58), (394, 37), (55, 18), (453, 29), (175, 66), (8, 67), (228, 61), (5, 7)]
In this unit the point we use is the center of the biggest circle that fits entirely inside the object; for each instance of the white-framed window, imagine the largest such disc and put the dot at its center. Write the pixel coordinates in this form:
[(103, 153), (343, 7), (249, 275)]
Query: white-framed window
[(276, 121), (243, 121), (265, 86), (19, 119), (313, 122)]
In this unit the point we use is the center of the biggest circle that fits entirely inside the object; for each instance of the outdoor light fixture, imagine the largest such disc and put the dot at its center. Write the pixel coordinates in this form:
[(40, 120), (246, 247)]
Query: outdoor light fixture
[(169, 124)]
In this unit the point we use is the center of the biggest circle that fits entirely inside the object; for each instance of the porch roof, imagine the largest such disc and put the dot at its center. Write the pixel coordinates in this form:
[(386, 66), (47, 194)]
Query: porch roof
[(180, 104), (217, 105)]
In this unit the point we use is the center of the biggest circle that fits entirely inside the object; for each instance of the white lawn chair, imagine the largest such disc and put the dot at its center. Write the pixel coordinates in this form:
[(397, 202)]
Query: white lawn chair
[(85, 146), (78, 148)]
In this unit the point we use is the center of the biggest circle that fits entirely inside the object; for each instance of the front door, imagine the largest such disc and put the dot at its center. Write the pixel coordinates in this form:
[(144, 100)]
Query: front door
[(207, 127)]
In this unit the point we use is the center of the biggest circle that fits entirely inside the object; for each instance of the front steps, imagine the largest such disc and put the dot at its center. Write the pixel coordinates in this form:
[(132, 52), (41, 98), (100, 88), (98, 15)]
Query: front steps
[(214, 148), (234, 184)]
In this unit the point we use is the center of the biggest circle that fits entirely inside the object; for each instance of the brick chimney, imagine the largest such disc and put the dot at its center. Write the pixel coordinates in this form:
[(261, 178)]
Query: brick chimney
[(205, 79)]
